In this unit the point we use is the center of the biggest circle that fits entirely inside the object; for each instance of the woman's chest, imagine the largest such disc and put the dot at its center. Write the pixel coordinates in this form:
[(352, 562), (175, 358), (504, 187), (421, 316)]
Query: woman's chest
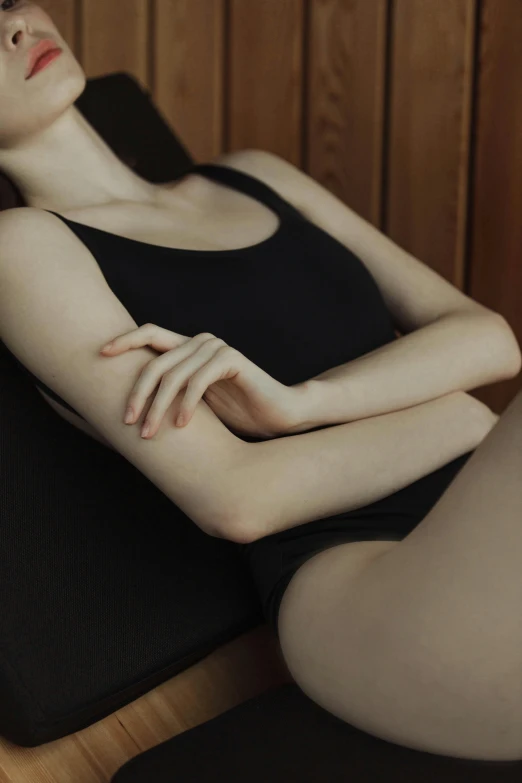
[(229, 222)]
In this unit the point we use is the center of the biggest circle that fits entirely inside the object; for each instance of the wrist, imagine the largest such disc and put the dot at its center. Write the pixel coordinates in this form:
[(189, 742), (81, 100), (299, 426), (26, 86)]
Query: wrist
[(310, 407)]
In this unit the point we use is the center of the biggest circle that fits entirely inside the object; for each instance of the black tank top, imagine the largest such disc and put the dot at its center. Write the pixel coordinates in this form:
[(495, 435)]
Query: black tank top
[(296, 304)]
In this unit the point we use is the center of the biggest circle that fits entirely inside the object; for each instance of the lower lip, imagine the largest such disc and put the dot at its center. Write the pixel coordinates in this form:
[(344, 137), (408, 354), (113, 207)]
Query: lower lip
[(47, 58)]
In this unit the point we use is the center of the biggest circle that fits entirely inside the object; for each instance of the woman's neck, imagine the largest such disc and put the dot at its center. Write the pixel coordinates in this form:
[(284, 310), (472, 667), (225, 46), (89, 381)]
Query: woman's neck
[(69, 166)]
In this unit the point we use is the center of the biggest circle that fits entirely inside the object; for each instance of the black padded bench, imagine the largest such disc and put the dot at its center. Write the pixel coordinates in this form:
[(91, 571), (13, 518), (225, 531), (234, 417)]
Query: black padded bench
[(282, 736), (103, 598)]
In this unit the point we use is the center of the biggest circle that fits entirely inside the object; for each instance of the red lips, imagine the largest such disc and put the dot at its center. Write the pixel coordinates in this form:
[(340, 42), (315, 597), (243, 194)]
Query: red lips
[(41, 48)]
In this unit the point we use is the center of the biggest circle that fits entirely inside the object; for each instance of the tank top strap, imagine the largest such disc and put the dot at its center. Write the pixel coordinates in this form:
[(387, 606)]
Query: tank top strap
[(252, 186)]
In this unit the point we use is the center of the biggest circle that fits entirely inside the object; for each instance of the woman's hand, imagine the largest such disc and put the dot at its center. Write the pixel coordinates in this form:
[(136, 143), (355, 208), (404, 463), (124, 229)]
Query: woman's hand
[(246, 399)]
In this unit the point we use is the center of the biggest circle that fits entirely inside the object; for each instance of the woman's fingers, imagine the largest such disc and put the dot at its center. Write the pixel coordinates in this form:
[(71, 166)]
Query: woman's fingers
[(171, 382), (184, 361), (156, 369), (162, 401), (168, 391), (149, 334), (214, 370)]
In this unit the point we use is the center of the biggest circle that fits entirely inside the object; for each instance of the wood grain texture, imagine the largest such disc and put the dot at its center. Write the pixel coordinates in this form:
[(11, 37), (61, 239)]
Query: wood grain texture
[(430, 85), (237, 671), (495, 259), (188, 71), (64, 15), (115, 37), (345, 89), (265, 76), (410, 111)]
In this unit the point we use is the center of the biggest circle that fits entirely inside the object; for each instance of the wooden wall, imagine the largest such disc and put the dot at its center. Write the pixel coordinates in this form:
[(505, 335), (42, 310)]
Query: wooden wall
[(408, 110)]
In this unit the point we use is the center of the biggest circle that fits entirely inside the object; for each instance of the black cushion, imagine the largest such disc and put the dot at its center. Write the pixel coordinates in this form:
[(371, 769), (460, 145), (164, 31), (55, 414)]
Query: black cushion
[(282, 736), (103, 597)]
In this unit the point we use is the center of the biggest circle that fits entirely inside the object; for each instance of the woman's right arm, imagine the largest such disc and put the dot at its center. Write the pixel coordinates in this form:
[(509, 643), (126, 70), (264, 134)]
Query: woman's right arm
[(296, 479), (56, 312)]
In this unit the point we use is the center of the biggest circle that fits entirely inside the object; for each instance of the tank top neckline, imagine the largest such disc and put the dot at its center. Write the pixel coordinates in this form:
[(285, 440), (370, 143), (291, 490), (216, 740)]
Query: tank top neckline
[(274, 203)]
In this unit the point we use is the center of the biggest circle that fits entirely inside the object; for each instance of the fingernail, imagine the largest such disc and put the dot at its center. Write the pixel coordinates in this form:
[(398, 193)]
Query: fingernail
[(145, 430), (128, 416), (108, 346)]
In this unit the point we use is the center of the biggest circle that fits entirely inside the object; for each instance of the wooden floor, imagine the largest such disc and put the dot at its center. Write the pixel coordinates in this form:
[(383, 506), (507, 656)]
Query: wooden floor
[(237, 671)]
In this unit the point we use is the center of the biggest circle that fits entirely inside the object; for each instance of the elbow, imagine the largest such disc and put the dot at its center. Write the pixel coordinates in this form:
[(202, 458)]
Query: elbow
[(509, 348), (241, 522), (238, 527), (517, 361), (517, 367), (226, 525)]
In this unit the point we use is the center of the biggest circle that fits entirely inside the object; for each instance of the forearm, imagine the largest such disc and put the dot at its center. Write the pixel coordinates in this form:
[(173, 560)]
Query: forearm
[(461, 351), (296, 479)]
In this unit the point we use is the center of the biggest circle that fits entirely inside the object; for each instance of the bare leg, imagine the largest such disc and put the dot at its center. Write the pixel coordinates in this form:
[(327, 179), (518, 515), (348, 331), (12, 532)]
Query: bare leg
[(424, 647)]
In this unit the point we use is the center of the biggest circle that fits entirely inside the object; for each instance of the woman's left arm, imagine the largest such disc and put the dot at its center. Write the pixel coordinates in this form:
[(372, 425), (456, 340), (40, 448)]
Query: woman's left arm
[(459, 351)]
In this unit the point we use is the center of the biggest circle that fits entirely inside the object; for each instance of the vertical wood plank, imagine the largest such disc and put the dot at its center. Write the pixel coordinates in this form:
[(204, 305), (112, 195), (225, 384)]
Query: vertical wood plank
[(63, 15), (495, 273), (115, 38), (431, 91), (312, 80), (188, 71), (265, 72), (345, 100)]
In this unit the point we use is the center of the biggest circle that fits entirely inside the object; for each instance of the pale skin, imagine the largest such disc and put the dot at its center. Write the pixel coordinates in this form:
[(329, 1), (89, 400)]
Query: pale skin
[(416, 599), (60, 163)]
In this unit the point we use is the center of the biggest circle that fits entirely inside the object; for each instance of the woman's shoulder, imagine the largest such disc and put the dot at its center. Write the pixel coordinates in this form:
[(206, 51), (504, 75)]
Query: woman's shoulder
[(30, 237), (17, 223), (25, 218), (35, 223)]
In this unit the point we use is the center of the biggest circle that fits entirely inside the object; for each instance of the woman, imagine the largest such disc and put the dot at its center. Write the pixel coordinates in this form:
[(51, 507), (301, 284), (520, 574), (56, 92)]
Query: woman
[(396, 606)]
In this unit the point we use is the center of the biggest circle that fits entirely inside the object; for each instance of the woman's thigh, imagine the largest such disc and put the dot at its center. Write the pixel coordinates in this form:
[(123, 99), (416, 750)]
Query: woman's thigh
[(318, 584), (314, 621), (422, 643), (365, 661)]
